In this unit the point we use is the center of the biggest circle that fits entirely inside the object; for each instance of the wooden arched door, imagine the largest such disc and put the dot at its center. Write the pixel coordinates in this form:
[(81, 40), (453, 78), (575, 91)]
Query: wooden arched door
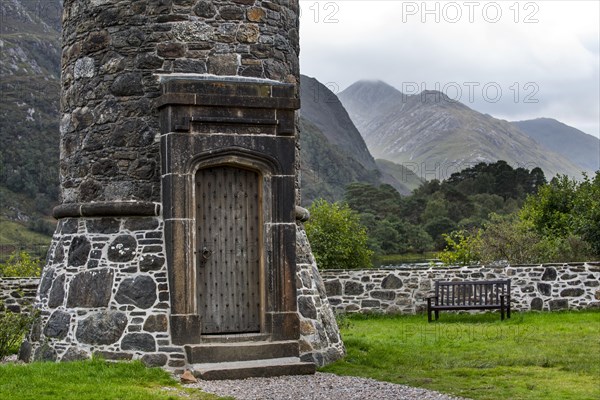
[(228, 249)]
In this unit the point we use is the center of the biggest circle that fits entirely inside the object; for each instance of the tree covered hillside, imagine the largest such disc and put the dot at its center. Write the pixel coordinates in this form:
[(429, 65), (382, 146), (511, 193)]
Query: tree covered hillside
[(29, 110), (418, 222)]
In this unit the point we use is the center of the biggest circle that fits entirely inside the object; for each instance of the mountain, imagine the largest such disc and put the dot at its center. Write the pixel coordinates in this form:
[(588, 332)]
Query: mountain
[(400, 177), (366, 100), (326, 169), (322, 107), (333, 153), (435, 136), (30, 54), (579, 147)]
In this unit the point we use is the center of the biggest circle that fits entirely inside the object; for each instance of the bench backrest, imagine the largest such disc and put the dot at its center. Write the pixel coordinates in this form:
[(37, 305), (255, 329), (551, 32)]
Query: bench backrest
[(469, 293)]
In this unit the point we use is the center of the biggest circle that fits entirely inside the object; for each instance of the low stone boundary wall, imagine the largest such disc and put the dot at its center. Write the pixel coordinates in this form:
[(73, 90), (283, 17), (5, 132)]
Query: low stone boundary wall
[(404, 290), (16, 293)]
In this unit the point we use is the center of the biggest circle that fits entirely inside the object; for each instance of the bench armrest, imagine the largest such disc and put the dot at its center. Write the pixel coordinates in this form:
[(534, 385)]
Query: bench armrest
[(431, 301)]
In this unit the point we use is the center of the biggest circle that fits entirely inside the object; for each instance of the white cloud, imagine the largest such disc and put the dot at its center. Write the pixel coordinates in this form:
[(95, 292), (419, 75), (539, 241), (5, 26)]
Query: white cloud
[(554, 60)]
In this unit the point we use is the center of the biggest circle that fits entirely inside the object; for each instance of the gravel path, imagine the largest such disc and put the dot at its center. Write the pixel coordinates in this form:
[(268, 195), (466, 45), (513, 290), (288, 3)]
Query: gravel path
[(320, 386), (9, 359)]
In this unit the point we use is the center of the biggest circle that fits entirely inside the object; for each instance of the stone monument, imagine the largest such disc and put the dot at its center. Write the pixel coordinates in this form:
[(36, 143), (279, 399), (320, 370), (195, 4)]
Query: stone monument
[(178, 241)]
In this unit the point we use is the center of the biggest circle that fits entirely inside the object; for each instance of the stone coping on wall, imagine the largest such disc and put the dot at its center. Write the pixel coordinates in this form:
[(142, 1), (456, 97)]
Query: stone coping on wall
[(18, 293), (213, 77), (404, 289)]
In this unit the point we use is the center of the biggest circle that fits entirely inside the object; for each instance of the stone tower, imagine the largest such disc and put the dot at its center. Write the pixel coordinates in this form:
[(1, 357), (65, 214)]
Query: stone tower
[(177, 240)]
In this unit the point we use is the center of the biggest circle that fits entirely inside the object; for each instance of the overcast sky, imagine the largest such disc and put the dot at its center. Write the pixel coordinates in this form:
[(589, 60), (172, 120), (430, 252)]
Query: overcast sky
[(513, 60)]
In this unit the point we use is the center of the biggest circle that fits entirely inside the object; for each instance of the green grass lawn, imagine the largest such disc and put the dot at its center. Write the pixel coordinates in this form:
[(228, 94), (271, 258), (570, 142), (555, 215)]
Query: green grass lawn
[(12, 232), (15, 236), (91, 380), (531, 356)]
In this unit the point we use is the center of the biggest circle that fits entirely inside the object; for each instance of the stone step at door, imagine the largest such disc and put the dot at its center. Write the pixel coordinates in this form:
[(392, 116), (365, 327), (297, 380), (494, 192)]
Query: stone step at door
[(253, 369), (240, 351)]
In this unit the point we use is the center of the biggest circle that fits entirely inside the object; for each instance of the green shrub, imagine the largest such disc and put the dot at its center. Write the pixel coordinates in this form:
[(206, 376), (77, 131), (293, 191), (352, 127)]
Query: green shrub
[(21, 264), (337, 237), (568, 211), (462, 248), (13, 328), (512, 239), (587, 212), (507, 238)]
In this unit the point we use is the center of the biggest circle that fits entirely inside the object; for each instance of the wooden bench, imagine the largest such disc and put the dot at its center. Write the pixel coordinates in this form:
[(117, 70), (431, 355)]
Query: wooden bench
[(470, 295)]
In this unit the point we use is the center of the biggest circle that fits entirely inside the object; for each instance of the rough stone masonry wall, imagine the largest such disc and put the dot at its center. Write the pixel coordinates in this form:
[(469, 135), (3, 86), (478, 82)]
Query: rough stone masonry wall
[(404, 290), (320, 340), (114, 52), (111, 299)]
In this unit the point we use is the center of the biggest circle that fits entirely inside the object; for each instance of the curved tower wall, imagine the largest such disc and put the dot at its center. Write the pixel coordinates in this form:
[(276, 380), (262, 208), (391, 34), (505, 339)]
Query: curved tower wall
[(114, 53)]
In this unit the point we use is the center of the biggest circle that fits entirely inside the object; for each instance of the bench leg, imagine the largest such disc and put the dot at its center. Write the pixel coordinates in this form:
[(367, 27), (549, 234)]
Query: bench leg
[(508, 307), (437, 314), (428, 310), (502, 308)]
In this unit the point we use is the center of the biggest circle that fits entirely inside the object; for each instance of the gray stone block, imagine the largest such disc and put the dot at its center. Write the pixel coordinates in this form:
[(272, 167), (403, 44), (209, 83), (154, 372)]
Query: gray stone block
[(68, 226), (383, 294), (550, 274), (58, 325), (57, 293), (46, 282), (138, 341), (572, 292), (128, 84), (141, 224), (156, 323), (105, 327), (537, 304), (90, 289), (306, 307), (370, 303), (333, 288), (205, 9), (559, 304), (122, 249), (103, 225), (45, 353), (353, 288), (74, 354), (154, 360), (544, 288), (79, 251), (25, 351), (139, 291)]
